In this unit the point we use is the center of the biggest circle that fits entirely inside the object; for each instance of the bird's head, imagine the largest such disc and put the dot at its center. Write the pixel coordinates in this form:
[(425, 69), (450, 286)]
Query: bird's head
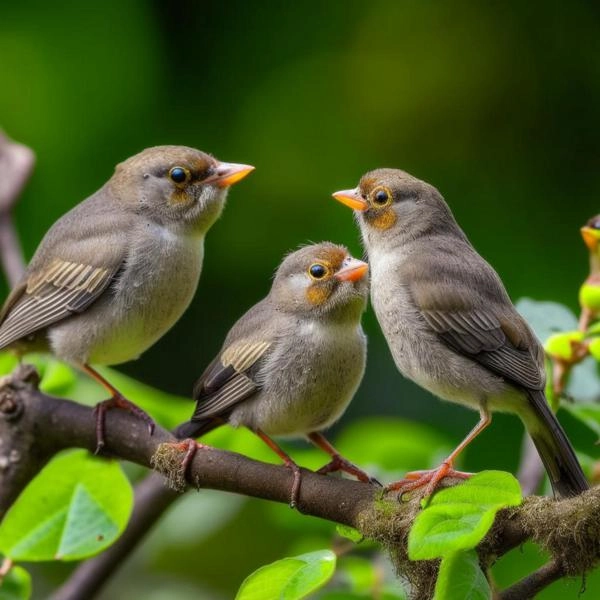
[(176, 185), (322, 281)]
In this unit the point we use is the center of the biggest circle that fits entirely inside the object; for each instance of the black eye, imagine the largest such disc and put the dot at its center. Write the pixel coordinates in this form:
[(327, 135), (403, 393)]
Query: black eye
[(317, 271), (178, 174), (381, 196)]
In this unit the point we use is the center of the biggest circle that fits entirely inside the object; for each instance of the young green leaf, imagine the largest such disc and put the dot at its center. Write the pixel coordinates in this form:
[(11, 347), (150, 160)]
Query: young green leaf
[(290, 578), (349, 532), (16, 585), (458, 518), (76, 507), (488, 489), (460, 576)]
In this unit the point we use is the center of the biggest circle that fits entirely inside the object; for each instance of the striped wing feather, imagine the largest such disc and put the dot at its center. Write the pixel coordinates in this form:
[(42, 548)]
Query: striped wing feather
[(50, 295), (228, 379)]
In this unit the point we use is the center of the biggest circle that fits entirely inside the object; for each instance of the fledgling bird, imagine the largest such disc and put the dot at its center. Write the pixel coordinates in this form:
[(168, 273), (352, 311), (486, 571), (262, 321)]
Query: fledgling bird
[(113, 274), (449, 322), (290, 366), (589, 293)]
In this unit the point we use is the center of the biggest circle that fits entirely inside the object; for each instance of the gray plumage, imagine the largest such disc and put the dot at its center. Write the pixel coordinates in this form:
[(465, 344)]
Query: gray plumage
[(447, 318), (292, 363), (116, 272)]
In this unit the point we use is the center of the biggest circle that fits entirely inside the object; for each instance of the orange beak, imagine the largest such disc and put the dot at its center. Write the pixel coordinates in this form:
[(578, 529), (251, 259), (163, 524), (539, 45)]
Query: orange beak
[(353, 270), (351, 198), (227, 174), (590, 237)]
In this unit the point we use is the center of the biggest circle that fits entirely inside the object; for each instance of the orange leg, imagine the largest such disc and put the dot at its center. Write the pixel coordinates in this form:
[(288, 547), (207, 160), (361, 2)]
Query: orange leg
[(338, 462), (289, 463), (431, 479), (190, 447), (116, 400)]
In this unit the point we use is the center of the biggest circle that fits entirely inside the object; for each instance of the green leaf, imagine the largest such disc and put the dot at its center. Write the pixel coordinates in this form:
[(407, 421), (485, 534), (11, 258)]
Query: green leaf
[(458, 518), (16, 585), (76, 507), (461, 577), (58, 378), (546, 318), (588, 414), (8, 362), (349, 532), (488, 489), (584, 383), (289, 578)]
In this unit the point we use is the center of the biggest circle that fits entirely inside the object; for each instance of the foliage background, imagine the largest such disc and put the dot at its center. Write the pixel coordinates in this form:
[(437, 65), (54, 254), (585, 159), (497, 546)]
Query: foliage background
[(495, 104)]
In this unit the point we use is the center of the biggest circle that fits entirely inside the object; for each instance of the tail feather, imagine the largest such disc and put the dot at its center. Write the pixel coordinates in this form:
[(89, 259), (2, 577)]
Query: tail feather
[(555, 450), (195, 429)]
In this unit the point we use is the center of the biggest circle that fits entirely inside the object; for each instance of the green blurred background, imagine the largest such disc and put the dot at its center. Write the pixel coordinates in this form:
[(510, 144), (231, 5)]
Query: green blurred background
[(494, 103)]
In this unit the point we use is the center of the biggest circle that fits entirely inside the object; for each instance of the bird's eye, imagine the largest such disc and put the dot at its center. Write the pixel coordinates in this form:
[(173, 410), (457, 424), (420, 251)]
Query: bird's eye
[(179, 175), (317, 271), (381, 196)]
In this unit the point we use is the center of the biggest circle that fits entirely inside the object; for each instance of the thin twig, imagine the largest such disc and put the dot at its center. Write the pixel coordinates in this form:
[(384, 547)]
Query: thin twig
[(16, 165), (529, 586)]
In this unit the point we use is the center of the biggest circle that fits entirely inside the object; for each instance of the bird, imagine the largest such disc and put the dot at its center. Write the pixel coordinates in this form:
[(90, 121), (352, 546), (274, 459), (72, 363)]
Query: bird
[(589, 293), (449, 322), (292, 363), (114, 273)]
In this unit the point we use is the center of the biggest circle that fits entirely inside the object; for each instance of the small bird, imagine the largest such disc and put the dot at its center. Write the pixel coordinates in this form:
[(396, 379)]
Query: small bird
[(589, 293), (290, 366), (449, 322), (113, 274)]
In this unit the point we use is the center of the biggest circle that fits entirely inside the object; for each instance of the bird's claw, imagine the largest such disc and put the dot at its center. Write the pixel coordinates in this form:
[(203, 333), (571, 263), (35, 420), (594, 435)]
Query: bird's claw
[(339, 463), (117, 401), (429, 480)]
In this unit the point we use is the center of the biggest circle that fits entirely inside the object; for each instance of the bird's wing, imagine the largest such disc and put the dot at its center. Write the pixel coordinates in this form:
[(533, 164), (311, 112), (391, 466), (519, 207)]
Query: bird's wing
[(51, 293), (479, 321), (230, 378)]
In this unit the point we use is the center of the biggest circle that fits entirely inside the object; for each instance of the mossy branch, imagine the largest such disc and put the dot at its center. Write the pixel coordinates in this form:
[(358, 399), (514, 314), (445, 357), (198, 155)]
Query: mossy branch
[(569, 530)]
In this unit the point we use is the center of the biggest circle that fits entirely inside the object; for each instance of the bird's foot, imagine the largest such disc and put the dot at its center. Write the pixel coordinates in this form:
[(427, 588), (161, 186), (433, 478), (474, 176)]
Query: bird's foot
[(295, 469), (117, 401), (425, 482), (339, 463), (190, 447)]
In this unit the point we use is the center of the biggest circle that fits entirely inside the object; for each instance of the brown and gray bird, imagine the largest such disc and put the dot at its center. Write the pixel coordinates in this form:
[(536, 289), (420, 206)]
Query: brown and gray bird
[(449, 322), (290, 366), (113, 274)]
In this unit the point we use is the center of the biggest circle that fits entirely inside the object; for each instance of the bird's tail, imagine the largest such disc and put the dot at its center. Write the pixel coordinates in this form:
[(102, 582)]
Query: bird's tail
[(195, 429), (554, 448)]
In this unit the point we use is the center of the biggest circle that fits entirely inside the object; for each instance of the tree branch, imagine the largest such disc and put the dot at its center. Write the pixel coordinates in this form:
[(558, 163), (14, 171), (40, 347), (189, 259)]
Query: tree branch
[(569, 530), (66, 424), (529, 586), (16, 165)]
